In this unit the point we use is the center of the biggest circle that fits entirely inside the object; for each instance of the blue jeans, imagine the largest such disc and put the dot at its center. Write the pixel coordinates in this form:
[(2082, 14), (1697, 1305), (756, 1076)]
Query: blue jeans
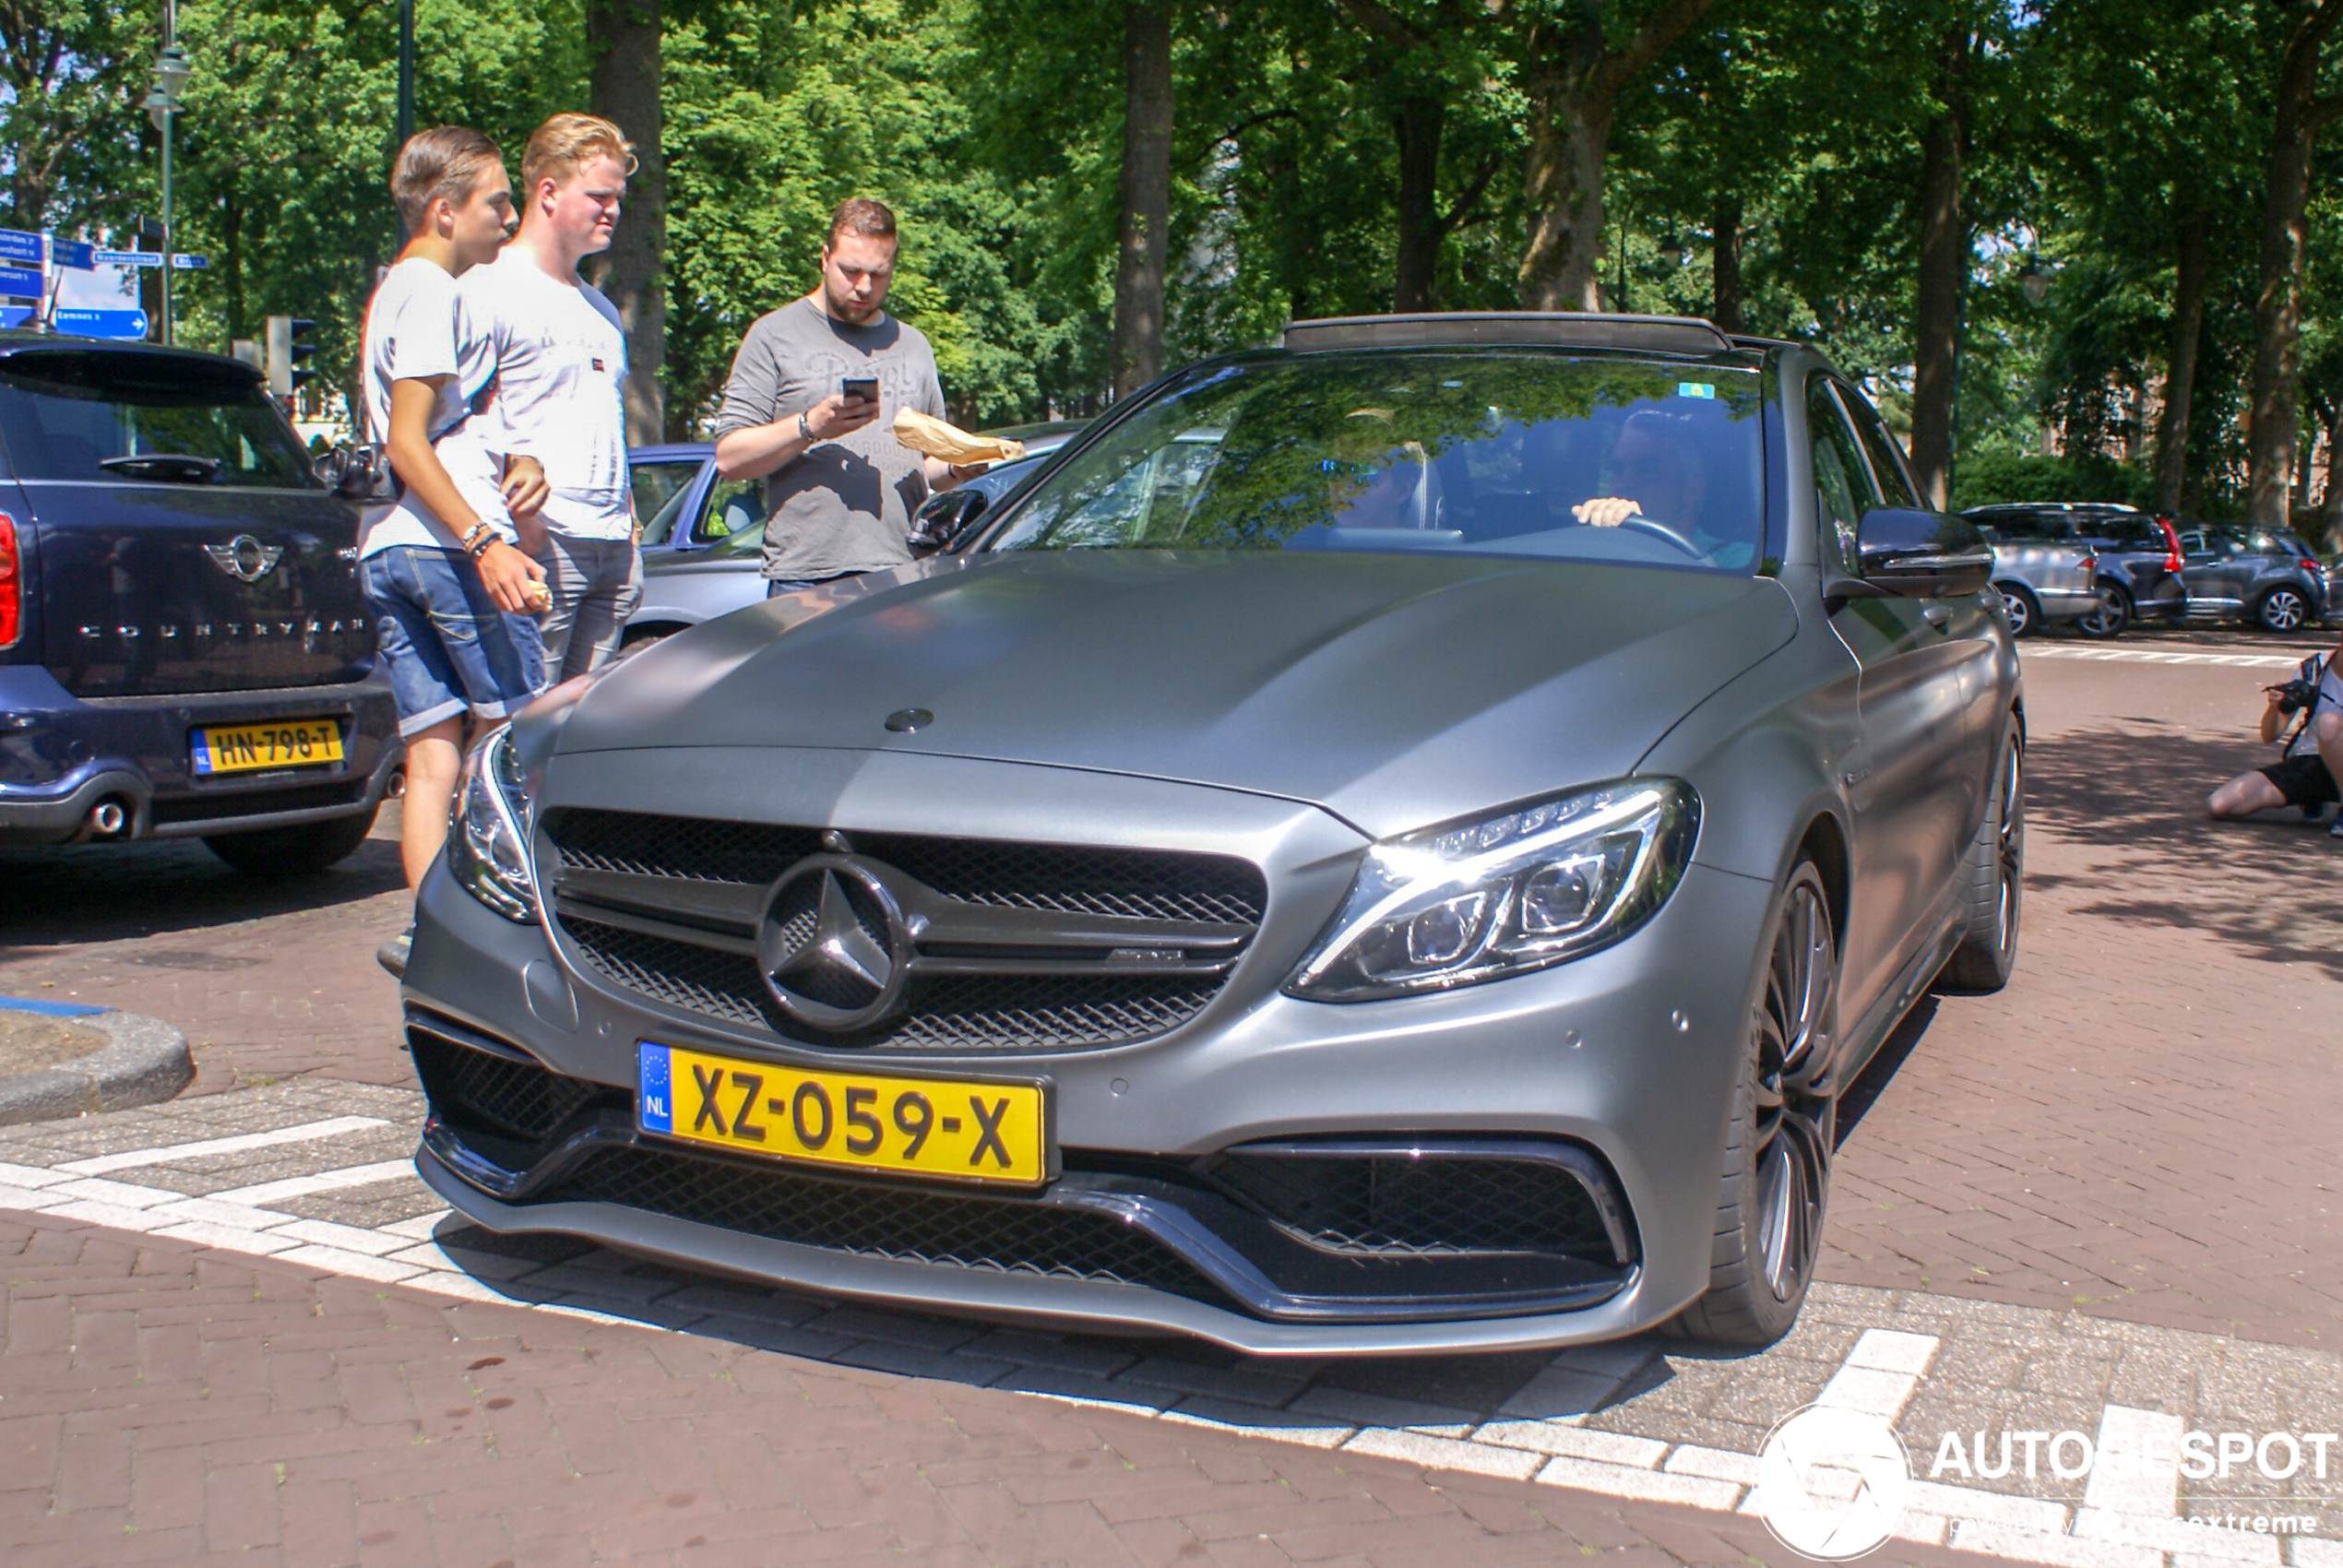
[(447, 646)]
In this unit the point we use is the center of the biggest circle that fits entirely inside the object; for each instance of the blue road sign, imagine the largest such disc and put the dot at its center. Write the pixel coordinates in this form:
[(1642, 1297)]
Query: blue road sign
[(17, 245), (73, 253), (129, 324), (130, 258), (19, 283), (183, 262), (16, 315)]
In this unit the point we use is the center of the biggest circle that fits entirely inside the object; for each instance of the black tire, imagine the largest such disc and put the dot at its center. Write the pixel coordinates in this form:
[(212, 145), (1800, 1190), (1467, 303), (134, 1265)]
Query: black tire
[(2112, 619), (2283, 610), (1992, 872), (1784, 1126), (292, 851), (2024, 611)]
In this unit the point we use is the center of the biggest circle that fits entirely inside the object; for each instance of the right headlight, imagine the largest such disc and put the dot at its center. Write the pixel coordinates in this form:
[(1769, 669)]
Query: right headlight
[(1480, 900), (488, 838)]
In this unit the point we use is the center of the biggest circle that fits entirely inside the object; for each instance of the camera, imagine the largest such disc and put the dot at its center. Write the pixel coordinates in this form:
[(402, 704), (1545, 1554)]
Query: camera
[(2294, 695)]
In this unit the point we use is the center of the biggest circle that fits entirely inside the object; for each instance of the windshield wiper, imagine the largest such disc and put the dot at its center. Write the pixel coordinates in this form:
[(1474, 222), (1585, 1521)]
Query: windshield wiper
[(172, 468)]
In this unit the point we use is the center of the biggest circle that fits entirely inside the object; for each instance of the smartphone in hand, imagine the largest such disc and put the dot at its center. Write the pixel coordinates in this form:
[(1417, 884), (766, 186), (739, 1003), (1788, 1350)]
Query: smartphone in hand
[(863, 387)]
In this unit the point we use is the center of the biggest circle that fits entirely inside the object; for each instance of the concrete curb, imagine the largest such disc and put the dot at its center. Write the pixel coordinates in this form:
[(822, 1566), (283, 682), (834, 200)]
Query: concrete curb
[(146, 1061)]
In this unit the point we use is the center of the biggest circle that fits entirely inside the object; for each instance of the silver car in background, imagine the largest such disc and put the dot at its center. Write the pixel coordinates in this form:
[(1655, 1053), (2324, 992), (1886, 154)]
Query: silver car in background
[(1286, 878), (2041, 581)]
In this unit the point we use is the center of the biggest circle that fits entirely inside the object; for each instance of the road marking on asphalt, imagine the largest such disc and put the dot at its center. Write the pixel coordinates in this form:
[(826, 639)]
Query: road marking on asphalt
[(266, 1192), (2166, 655), (131, 1160), (2124, 1519)]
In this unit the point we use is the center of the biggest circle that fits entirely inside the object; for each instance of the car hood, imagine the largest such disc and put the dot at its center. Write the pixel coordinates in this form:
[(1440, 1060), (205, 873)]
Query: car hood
[(1395, 691)]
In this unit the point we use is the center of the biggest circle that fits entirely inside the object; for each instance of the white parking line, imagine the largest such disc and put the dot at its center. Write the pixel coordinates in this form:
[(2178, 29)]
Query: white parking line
[(132, 1158), (2166, 655), (266, 1192)]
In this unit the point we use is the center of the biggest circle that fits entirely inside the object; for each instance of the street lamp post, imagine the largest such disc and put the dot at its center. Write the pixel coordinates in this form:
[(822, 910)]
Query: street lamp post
[(171, 71)]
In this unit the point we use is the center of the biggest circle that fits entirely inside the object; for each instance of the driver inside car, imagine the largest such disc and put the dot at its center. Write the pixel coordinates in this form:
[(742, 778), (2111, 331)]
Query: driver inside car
[(1654, 472)]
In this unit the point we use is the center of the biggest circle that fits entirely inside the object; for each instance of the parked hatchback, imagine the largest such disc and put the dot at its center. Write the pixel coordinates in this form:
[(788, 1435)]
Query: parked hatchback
[(183, 649), (2043, 577), (2266, 576), (2136, 557)]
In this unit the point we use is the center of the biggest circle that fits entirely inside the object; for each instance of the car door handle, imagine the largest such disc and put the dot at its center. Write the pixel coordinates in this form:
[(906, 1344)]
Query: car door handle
[(1937, 616)]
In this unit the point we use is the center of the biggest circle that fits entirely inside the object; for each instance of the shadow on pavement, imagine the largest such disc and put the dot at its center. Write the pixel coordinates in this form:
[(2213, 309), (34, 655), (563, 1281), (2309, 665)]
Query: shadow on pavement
[(2272, 886), (106, 892)]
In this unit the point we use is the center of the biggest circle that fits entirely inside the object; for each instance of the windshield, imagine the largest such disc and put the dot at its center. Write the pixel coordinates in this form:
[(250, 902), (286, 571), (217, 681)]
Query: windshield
[(1529, 454), (70, 414)]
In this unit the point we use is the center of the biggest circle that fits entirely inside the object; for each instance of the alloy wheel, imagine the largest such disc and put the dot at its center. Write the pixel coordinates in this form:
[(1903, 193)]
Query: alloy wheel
[(2283, 610), (1797, 1105), (2021, 616), (2012, 856)]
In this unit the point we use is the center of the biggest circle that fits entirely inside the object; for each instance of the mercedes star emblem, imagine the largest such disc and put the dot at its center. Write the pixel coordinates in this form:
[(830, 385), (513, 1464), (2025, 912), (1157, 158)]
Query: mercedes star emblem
[(245, 558), (833, 944)]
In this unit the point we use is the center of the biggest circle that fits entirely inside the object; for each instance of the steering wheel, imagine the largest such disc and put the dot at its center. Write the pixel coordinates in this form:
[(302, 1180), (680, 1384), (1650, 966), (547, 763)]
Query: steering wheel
[(1663, 533)]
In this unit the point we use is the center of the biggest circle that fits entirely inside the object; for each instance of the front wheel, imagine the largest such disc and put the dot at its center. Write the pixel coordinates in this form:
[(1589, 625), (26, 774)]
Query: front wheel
[(1992, 875), (292, 851), (2112, 617), (2018, 604), (2283, 610), (1785, 1123)]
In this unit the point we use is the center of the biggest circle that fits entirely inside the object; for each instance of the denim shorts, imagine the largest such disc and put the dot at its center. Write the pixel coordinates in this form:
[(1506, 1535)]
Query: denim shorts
[(447, 647)]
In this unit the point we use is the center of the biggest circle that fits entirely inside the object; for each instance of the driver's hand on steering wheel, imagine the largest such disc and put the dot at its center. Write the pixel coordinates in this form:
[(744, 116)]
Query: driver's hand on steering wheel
[(1605, 511)]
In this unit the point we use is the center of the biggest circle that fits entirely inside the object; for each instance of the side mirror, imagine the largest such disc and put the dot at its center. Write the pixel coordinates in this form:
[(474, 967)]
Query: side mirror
[(943, 520), (331, 466), (1908, 554)]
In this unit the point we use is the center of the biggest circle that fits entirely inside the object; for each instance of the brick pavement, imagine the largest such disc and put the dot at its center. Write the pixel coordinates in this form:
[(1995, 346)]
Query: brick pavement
[(158, 1402)]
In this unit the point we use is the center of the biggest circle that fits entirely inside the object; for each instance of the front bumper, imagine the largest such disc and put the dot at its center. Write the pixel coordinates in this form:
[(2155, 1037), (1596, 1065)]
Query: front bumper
[(1623, 1061), (62, 756)]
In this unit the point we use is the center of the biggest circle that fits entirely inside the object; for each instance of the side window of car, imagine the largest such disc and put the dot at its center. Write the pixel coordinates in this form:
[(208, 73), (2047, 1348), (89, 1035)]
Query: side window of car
[(1886, 458), (1843, 487), (735, 506)]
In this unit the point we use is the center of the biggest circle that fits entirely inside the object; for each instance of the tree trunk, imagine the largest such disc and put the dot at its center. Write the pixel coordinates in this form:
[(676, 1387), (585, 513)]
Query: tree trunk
[(1943, 272), (1724, 251), (2331, 504), (1418, 126), (1144, 245), (1569, 133), (232, 259), (2278, 305), (623, 43), (2192, 258)]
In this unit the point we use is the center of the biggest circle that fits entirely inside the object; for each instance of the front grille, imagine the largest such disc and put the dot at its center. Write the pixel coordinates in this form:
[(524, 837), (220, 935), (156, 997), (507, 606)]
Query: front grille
[(661, 906), (481, 1092), (956, 1013), (1399, 1205), (1008, 1236)]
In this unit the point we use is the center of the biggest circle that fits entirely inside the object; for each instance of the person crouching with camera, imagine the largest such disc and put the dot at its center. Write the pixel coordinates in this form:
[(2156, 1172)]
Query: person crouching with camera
[(2311, 760)]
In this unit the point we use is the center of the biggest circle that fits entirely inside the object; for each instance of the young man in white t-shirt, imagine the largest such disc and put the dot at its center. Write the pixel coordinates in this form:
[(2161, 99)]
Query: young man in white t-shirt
[(454, 598), (560, 356)]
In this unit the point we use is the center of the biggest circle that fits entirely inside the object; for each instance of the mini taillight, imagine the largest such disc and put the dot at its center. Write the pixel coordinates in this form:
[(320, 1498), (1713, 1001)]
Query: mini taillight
[(11, 583), (2172, 561), (2308, 564), (2090, 559)]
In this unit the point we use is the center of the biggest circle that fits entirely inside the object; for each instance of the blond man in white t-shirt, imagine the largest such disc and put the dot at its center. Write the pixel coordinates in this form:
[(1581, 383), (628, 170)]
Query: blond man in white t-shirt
[(559, 356), (453, 595)]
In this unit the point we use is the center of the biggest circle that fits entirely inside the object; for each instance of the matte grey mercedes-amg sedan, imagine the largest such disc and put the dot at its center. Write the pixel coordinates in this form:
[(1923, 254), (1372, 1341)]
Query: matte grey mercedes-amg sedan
[(1393, 843)]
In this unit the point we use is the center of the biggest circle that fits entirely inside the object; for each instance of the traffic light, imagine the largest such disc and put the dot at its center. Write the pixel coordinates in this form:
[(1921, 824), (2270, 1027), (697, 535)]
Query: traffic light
[(286, 351)]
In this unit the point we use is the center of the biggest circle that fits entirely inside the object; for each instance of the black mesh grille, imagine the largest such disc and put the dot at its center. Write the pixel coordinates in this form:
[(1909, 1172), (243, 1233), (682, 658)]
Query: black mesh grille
[(968, 1232), (472, 1088), (967, 1014), (1147, 884), (1396, 1205)]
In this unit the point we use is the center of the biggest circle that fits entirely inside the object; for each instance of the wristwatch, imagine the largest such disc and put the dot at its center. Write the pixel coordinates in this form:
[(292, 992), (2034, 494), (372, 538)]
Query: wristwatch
[(804, 430)]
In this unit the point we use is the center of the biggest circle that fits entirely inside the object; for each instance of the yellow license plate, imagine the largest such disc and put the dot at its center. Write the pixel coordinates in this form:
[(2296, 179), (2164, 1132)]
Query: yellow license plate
[(945, 1129), (244, 748)]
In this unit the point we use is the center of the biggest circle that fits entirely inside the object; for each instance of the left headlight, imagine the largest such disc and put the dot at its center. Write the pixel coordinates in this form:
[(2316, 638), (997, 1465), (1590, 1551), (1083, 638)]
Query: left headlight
[(1480, 900), (488, 838)]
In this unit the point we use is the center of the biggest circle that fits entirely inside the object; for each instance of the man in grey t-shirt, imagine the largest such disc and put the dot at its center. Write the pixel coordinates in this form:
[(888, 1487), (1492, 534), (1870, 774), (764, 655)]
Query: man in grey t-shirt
[(841, 489)]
